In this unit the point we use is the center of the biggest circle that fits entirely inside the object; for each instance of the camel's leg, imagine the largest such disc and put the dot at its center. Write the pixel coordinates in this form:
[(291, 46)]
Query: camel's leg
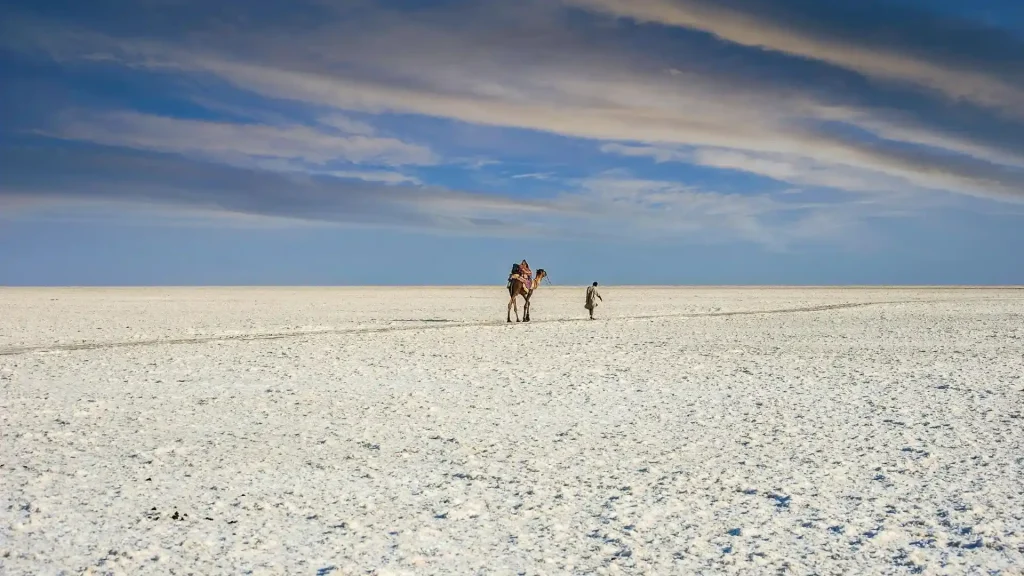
[(512, 306), (526, 308)]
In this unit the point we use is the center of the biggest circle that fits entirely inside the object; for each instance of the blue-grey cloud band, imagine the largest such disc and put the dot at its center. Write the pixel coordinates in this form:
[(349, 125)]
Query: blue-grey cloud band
[(863, 100)]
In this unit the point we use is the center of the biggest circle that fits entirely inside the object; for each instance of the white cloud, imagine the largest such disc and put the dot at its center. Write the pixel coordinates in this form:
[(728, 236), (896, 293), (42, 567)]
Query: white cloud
[(237, 142), (348, 125), (374, 176), (759, 32), (792, 169), (642, 208), (527, 72), (531, 72), (853, 172), (657, 153), (41, 179), (533, 176), (574, 95)]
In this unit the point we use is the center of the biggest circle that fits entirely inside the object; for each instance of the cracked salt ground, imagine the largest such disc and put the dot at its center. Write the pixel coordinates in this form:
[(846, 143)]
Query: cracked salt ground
[(880, 439)]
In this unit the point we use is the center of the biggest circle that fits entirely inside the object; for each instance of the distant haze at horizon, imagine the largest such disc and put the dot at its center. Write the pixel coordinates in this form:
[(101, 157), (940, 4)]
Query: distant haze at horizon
[(640, 142)]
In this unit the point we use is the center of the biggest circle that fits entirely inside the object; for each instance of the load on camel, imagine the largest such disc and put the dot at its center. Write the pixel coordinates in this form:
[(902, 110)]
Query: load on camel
[(521, 282)]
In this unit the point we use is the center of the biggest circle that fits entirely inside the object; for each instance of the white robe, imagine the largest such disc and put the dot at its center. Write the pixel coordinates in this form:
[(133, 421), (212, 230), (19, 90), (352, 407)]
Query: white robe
[(592, 297)]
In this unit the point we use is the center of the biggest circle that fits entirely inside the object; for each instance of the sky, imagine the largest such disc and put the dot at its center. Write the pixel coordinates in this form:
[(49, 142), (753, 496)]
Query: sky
[(353, 142)]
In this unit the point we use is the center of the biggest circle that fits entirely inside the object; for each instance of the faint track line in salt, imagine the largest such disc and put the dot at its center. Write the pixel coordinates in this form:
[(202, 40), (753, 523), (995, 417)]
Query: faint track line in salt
[(439, 325)]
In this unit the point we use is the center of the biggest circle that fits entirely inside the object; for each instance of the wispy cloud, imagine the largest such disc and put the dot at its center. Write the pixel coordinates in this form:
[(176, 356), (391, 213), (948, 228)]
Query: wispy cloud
[(846, 174), (533, 176), (895, 43), (597, 88), (781, 95), (347, 125), (656, 208), (241, 142), (612, 205), (43, 176), (374, 176)]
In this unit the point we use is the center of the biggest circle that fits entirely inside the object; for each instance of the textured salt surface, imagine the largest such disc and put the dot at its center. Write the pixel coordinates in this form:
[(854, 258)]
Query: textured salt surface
[(412, 431)]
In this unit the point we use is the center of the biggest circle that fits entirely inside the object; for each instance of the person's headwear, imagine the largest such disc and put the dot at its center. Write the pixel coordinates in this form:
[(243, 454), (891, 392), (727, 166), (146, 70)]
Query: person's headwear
[(595, 283)]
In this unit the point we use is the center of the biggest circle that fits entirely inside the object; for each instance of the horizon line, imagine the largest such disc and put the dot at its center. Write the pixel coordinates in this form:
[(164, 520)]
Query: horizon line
[(489, 286)]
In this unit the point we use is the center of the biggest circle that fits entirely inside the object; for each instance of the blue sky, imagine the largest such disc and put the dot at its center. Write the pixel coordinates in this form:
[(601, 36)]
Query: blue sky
[(410, 142)]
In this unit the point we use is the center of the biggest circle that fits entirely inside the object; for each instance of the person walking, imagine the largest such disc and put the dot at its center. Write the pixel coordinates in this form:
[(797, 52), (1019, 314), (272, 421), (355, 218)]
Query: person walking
[(592, 297)]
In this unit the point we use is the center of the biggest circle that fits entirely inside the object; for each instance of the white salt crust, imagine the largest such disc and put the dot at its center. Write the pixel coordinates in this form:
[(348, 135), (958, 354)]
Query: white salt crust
[(401, 431)]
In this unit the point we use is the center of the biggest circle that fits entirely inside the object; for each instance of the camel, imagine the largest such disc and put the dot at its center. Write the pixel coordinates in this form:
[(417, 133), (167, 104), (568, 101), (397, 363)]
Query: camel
[(516, 287)]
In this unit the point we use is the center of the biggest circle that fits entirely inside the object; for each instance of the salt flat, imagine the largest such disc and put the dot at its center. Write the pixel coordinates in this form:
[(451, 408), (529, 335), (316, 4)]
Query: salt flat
[(385, 430)]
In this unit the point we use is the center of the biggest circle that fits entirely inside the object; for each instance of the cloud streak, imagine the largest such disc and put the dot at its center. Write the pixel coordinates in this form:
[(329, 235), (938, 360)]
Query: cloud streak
[(42, 174), (237, 142), (662, 208), (610, 206), (782, 95), (599, 91), (882, 46)]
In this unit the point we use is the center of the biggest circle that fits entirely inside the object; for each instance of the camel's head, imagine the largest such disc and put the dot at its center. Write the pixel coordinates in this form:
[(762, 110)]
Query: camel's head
[(541, 275)]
